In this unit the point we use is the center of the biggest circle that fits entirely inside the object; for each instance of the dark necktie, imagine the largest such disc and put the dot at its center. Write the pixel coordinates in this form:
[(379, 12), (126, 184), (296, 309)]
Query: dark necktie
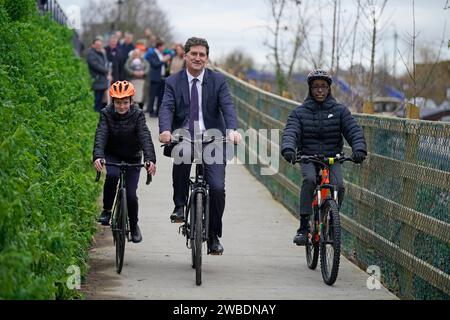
[(194, 108)]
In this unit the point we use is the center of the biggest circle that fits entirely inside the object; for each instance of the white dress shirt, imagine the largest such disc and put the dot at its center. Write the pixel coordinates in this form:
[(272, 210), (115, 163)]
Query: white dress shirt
[(199, 90)]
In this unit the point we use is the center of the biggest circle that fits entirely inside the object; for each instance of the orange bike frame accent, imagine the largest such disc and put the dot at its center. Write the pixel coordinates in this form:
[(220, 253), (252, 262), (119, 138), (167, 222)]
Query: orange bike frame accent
[(324, 192)]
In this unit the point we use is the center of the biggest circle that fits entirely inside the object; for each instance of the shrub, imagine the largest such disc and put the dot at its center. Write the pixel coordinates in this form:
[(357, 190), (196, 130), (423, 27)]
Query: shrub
[(47, 193)]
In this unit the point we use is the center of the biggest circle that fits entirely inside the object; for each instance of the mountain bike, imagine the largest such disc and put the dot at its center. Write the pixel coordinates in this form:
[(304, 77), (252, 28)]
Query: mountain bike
[(324, 234), (120, 224)]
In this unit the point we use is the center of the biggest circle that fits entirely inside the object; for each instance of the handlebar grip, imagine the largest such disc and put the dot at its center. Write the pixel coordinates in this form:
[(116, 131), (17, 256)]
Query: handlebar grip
[(149, 179), (98, 176)]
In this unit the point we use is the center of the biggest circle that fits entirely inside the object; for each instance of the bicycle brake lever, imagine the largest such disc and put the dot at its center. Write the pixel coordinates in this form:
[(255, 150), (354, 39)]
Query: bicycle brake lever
[(149, 179)]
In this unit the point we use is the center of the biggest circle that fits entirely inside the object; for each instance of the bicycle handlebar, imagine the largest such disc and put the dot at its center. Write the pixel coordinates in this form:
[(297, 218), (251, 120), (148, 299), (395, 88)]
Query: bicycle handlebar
[(324, 161), (179, 138), (125, 165)]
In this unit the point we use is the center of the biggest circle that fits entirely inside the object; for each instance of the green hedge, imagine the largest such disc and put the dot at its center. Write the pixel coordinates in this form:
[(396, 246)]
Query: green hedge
[(47, 190)]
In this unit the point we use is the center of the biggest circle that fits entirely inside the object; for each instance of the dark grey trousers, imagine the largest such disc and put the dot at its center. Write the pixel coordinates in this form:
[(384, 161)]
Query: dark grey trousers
[(309, 173)]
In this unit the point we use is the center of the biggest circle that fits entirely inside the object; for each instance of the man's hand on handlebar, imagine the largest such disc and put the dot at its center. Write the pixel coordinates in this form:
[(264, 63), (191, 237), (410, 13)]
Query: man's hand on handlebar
[(165, 137), (234, 137)]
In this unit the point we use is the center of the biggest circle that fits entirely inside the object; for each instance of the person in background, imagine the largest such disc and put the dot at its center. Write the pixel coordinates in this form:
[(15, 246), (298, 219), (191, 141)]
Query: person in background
[(113, 54), (136, 69), (99, 70), (157, 77), (177, 63)]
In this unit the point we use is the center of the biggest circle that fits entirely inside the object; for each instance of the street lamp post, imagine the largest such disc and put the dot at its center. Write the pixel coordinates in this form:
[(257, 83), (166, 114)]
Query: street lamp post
[(119, 4)]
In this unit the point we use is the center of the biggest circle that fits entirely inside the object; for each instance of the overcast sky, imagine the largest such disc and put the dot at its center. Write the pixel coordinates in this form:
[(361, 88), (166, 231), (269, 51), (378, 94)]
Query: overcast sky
[(232, 24)]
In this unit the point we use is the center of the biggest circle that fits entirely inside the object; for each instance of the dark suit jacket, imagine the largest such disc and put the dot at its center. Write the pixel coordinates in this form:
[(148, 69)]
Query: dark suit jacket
[(217, 106), (155, 67), (98, 68)]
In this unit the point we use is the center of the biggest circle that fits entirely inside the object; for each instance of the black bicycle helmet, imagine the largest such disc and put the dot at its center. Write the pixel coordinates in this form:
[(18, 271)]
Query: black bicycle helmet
[(319, 74)]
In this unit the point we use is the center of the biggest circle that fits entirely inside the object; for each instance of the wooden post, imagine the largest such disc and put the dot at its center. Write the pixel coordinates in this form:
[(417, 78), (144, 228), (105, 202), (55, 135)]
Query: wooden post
[(412, 111), (286, 94), (267, 87), (368, 107)]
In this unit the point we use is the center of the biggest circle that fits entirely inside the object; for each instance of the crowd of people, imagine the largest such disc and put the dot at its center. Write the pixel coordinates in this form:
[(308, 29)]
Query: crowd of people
[(145, 62)]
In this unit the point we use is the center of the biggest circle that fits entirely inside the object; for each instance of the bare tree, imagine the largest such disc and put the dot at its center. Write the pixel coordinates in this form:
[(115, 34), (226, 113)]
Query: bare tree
[(373, 12), (333, 50), (421, 81), (105, 16), (237, 61), (288, 32)]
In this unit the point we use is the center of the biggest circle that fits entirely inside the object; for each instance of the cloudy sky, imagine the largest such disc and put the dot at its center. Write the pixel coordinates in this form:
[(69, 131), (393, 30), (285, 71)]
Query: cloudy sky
[(232, 24)]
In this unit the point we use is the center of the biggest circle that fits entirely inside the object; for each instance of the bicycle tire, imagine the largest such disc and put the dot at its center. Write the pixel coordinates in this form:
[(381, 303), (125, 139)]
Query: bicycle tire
[(330, 243), (312, 246), (198, 237), (121, 231), (191, 230)]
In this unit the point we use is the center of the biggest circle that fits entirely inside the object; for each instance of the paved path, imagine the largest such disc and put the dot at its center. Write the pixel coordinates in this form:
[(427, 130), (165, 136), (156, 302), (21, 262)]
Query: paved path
[(259, 260)]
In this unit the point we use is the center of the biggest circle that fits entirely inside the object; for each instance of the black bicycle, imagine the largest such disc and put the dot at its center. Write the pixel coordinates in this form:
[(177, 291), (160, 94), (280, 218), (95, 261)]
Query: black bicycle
[(324, 234), (196, 214), (120, 225)]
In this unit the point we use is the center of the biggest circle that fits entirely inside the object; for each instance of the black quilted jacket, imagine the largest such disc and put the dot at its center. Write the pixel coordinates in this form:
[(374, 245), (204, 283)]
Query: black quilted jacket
[(123, 136), (318, 129)]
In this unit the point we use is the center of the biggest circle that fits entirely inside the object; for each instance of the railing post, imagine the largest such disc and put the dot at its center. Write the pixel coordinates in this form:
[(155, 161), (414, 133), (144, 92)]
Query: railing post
[(286, 94), (412, 111), (368, 107), (267, 87), (407, 232)]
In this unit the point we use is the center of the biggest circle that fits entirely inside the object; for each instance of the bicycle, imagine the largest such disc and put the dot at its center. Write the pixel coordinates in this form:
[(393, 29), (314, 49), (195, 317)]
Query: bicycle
[(324, 233), (196, 213), (119, 219)]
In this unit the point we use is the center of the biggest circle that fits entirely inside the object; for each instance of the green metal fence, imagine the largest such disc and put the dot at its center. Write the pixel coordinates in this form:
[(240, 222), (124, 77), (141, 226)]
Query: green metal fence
[(396, 213)]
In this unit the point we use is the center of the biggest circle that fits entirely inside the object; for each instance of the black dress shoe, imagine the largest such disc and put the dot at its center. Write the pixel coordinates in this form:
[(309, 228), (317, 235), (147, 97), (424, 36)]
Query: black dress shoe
[(214, 246), (177, 215), (136, 235), (104, 218)]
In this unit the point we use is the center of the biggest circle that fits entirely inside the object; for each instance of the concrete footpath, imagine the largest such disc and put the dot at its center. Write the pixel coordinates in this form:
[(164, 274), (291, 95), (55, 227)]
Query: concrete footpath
[(259, 261)]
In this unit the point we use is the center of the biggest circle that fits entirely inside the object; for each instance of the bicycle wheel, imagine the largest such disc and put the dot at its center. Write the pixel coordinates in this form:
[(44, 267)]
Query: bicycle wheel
[(190, 234), (330, 243), (121, 230), (198, 237), (312, 246)]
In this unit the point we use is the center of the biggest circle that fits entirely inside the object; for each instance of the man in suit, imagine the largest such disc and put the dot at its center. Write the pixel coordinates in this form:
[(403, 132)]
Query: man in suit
[(199, 97), (157, 61)]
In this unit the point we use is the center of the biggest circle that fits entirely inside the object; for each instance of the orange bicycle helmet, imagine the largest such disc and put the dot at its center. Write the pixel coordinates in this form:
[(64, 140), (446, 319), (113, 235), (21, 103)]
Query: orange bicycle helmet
[(121, 89)]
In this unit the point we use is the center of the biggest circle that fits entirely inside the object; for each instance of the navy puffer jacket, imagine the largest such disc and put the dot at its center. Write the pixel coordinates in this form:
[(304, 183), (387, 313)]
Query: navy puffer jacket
[(315, 128), (124, 136)]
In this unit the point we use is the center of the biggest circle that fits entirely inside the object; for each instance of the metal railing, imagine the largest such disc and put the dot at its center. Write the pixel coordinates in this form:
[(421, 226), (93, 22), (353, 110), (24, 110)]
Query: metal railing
[(396, 213), (55, 11)]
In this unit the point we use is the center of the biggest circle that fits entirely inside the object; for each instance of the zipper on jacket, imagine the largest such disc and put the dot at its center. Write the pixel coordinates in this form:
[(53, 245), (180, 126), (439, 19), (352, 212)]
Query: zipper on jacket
[(320, 128)]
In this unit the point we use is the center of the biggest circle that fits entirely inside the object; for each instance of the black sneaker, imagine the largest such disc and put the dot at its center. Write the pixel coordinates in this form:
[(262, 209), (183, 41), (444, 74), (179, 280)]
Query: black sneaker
[(301, 238), (105, 217)]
